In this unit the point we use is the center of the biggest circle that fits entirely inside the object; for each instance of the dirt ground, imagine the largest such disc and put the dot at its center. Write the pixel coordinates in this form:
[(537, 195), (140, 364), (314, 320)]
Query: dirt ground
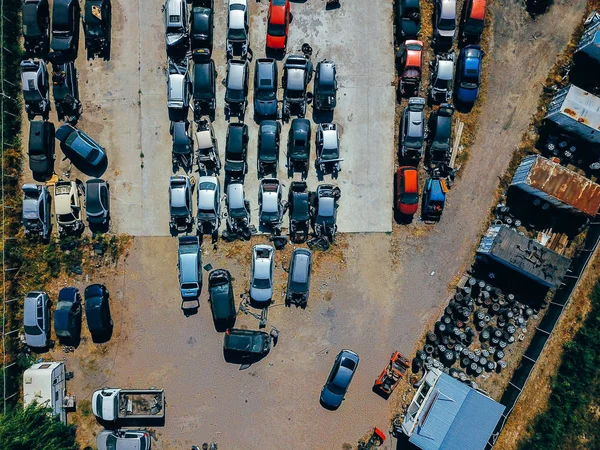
[(374, 294)]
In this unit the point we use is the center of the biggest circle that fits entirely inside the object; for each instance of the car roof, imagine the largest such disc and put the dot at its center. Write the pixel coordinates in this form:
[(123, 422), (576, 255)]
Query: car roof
[(266, 70), (236, 74), (411, 179), (235, 195), (178, 197), (326, 206), (203, 74), (330, 139), (204, 139), (235, 135), (416, 121), (301, 260), (92, 190), (295, 79), (448, 10), (30, 307), (326, 72), (445, 69), (236, 19), (188, 266)]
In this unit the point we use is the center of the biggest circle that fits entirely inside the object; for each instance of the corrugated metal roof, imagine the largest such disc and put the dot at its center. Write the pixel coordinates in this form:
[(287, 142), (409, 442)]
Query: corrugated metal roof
[(581, 106), (563, 184), (456, 417)]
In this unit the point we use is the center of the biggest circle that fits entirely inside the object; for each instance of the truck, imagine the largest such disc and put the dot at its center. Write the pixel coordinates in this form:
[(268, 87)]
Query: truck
[(45, 384), (114, 404), (575, 112)]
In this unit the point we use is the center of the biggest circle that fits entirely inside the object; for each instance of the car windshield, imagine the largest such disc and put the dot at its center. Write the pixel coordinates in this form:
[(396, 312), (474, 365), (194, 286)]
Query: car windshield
[(66, 218), (206, 214), (447, 24), (237, 213), (32, 95), (261, 283), (179, 211), (474, 26), (32, 330), (266, 92), (410, 199), (440, 83), (330, 153), (276, 29), (413, 142)]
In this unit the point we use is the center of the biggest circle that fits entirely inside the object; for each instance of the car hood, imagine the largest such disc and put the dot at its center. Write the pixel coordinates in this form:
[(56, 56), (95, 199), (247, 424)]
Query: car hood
[(331, 399), (261, 295), (467, 95), (265, 108)]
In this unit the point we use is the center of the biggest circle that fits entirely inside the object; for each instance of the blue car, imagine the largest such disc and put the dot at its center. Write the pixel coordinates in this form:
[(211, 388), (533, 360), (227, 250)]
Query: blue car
[(434, 199), (339, 379), (468, 74), (87, 155)]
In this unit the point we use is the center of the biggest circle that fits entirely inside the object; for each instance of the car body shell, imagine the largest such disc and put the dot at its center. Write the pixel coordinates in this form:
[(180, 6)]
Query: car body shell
[(97, 30), (236, 202), (268, 146), (179, 86), (270, 208), (97, 309), (434, 198), (67, 207), (339, 379), (408, 19), (246, 344), (407, 190), (261, 273), (124, 440), (202, 28), (182, 141), (299, 211), (298, 286), (238, 30), (41, 149), (265, 88), (65, 29), (325, 211), (236, 83), (176, 22), (81, 149), (37, 319), (236, 150), (36, 89), (410, 66), (67, 314), (473, 19), (36, 27), (445, 21), (325, 86), (204, 86), (97, 201), (327, 145), (440, 136), (209, 204), (221, 299), (65, 90), (189, 263), (441, 84), (412, 129), (36, 210), (180, 202)]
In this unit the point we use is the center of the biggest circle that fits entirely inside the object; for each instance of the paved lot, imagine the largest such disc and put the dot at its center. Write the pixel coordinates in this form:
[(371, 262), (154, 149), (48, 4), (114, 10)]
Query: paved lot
[(124, 104)]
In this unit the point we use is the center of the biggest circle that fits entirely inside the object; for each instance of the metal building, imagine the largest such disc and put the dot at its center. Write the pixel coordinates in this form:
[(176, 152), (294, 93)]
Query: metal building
[(554, 184), (576, 112), (526, 256), (590, 40), (446, 414)]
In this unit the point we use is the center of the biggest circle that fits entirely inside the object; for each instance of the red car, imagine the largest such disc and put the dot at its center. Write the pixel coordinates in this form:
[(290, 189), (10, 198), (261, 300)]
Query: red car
[(407, 190), (410, 66), (278, 24)]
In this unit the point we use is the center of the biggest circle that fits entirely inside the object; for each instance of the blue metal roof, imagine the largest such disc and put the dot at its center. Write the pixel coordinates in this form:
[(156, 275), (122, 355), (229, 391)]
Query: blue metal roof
[(456, 417)]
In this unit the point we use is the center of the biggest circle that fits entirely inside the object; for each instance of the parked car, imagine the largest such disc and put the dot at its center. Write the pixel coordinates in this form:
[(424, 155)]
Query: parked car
[(124, 440), (444, 29), (41, 148), (179, 87), (182, 148), (473, 20), (238, 31), (325, 90), (298, 285), (204, 88), (265, 88), (37, 219), (97, 202), (207, 149), (82, 150), (412, 129), (434, 199), (468, 74), (189, 264), (339, 379), (36, 27), (180, 204), (65, 30), (65, 90), (209, 205), (97, 26), (236, 150), (408, 19), (268, 147), (36, 91), (97, 309), (299, 211), (440, 135), (270, 207), (325, 210), (278, 24), (298, 146), (67, 315), (176, 24), (407, 190), (297, 73), (245, 345), (202, 28), (221, 299), (410, 67), (328, 148), (36, 319), (236, 85), (261, 273), (67, 208), (442, 78), (238, 210)]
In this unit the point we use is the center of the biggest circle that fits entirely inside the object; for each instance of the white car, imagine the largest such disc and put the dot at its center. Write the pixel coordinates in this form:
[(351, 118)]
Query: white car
[(269, 202), (176, 22), (209, 205), (179, 88), (67, 208), (238, 35), (261, 274)]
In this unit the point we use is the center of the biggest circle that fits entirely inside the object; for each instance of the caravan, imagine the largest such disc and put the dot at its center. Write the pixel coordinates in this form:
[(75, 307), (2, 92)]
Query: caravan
[(45, 384)]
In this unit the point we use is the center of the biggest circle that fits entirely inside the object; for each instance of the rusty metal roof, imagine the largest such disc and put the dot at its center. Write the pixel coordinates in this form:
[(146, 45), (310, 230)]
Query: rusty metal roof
[(565, 185)]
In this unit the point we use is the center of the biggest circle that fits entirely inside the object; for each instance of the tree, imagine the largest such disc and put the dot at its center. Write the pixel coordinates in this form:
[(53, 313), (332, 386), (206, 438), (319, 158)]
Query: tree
[(34, 428)]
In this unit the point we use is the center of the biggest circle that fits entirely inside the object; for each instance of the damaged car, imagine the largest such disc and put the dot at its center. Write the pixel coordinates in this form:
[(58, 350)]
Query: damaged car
[(67, 208), (36, 211)]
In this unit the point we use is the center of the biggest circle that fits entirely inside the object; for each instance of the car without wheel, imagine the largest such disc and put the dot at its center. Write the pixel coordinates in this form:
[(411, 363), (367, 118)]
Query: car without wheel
[(325, 89), (444, 29), (221, 299), (236, 151), (67, 208), (298, 285), (97, 202), (468, 74), (97, 309), (124, 440), (408, 19), (339, 379), (209, 206), (182, 150), (473, 20), (328, 148), (65, 30), (238, 210), (36, 211), (298, 148), (85, 153), (36, 27), (236, 85), (179, 88), (325, 210), (442, 78), (67, 315), (238, 31), (41, 149), (297, 73), (36, 319), (278, 24), (265, 88), (180, 203), (202, 29), (176, 24), (97, 24), (440, 137), (412, 129), (261, 273), (204, 88), (189, 263), (270, 206), (268, 147), (410, 67), (65, 90), (407, 190), (241, 345), (36, 89), (299, 211)]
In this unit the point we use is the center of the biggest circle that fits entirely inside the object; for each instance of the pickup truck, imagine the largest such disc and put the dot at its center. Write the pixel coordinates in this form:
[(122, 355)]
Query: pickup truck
[(112, 404)]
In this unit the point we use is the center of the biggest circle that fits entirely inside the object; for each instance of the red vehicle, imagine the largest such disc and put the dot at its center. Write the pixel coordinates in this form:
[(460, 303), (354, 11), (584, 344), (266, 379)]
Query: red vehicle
[(391, 375), (407, 190), (473, 20), (278, 24), (410, 67)]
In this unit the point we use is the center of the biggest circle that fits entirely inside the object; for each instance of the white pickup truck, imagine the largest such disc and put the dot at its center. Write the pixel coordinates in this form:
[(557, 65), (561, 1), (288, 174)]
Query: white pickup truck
[(111, 404)]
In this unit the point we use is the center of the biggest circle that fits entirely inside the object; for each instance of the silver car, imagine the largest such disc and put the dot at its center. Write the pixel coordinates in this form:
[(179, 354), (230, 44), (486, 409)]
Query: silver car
[(270, 206), (176, 22), (445, 21), (36, 319), (261, 273), (442, 78), (36, 90), (179, 87), (124, 440), (209, 205), (412, 129), (36, 210), (238, 31)]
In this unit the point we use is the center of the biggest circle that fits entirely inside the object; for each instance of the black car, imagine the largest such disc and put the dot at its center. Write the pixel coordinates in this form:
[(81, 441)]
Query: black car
[(440, 132), (65, 30), (299, 211), (182, 141), (36, 27), (67, 316), (41, 149), (325, 90), (298, 286), (66, 90), (97, 202), (245, 345), (205, 75), (265, 88), (82, 150), (202, 28), (298, 147), (408, 20), (268, 147), (236, 150), (221, 298), (97, 28), (97, 310), (236, 86)]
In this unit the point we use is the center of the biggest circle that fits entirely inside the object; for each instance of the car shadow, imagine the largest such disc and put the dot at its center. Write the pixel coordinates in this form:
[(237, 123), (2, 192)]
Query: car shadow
[(222, 325), (70, 342), (332, 5), (463, 107), (379, 392), (328, 407), (99, 228), (189, 312)]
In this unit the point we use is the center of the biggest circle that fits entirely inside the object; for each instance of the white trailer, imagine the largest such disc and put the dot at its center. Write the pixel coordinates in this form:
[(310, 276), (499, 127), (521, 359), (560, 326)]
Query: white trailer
[(45, 384)]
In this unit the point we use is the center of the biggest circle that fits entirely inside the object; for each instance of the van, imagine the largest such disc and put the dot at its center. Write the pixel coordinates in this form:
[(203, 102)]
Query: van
[(473, 20), (190, 275)]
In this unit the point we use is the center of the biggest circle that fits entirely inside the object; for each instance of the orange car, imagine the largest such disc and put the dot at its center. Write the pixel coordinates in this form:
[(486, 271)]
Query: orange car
[(410, 66), (278, 24), (473, 20), (407, 190)]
